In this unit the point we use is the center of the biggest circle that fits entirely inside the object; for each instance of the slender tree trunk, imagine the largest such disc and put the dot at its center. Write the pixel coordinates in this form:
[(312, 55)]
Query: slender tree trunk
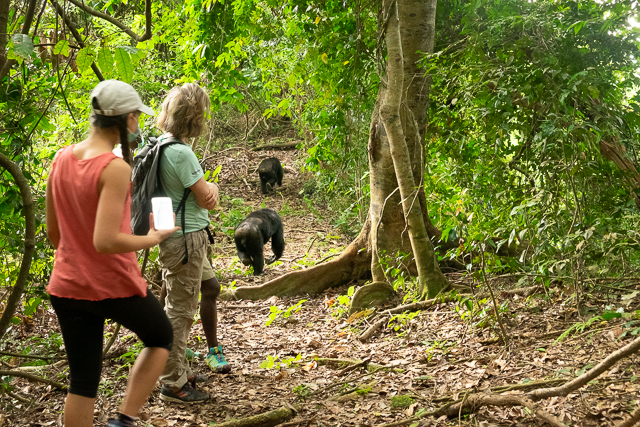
[(430, 277), (4, 20), (29, 241)]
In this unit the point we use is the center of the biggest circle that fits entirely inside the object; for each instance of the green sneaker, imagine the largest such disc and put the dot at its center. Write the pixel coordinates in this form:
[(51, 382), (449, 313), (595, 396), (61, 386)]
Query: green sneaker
[(192, 355), (216, 361)]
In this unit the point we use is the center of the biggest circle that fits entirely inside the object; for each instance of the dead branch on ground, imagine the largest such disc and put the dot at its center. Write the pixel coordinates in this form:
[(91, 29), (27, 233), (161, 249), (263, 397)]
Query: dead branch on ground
[(475, 401), (286, 146), (341, 363), (266, 419), (32, 378)]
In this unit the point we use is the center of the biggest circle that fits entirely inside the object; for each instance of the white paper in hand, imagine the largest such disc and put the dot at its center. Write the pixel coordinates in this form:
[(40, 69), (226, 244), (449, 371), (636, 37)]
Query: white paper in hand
[(162, 213)]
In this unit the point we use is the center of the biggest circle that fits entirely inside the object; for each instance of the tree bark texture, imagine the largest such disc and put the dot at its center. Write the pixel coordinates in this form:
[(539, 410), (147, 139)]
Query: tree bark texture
[(408, 165), (614, 151), (267, 419), (29, 241), (4, 20), (417, 30)]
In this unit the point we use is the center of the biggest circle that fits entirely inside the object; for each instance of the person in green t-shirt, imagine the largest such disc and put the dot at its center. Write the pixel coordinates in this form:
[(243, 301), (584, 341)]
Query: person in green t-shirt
[(183, 116)]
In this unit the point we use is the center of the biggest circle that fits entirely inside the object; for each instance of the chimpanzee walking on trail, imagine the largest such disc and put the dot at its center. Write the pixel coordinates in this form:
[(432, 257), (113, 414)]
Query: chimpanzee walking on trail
[(270, 171), (253, 233)]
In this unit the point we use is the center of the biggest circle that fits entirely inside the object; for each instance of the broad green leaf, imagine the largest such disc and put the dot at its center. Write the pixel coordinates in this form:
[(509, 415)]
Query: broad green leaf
[(130, 49), (106, 62), (85, 59), (611, 315), (61, 48), (22, 45), (325, 58), (140, 54), (123, 63)]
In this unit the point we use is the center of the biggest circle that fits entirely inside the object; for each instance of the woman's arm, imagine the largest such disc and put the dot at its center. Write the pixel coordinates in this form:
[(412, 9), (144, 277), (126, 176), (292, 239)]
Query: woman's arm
[(206, 194), (52, 221), (107, 237)]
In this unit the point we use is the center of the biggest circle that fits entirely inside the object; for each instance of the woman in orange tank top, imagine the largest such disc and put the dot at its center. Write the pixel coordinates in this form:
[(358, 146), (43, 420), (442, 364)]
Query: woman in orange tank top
[(96, 274)]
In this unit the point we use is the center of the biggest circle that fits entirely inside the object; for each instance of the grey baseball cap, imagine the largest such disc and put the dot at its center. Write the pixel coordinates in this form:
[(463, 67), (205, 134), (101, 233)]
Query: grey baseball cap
[(116, 98)]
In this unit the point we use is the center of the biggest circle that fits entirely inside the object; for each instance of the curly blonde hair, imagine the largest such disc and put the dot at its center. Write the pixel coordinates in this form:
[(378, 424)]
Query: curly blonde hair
[(184, 111)]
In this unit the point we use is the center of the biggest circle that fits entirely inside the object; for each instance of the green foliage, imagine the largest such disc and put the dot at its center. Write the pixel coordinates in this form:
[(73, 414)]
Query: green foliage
[(580, 327), (401, 401), (302, 390), (22, 45), (276, 313), (523, 95), (129, 358), (274, 362), (402, 321), (234, 215), (341, 305)]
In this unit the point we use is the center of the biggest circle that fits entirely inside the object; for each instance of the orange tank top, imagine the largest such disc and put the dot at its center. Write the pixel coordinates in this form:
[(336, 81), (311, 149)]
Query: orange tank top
[(79, 270)]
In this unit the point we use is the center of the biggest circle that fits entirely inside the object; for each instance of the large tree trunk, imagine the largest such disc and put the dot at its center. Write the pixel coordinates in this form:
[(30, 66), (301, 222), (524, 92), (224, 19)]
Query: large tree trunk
[(408, 168), (385, 233)]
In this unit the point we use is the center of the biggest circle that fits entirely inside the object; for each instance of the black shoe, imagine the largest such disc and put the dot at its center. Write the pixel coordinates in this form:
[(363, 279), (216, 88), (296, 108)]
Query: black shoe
[(120, 423), (197, 378), (187, 394)]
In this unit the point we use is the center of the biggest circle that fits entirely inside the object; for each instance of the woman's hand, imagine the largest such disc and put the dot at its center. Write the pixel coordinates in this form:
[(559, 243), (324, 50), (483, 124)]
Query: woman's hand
[(160, 235)]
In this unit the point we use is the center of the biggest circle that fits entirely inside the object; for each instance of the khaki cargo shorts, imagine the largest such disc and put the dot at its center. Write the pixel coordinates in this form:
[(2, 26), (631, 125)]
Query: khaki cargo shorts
[(183, 290)]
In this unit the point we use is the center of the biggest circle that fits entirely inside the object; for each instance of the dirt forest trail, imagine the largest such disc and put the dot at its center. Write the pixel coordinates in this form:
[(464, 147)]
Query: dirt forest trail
[(308, 233), (429, 358)]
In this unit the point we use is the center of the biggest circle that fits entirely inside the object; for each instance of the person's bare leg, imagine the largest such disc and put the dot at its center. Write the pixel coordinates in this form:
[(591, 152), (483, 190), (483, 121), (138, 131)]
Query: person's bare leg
[(78, 411), (144, 375), (210, 290)]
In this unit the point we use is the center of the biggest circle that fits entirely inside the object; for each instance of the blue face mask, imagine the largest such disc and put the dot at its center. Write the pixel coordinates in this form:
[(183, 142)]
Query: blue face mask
[(134, 135)]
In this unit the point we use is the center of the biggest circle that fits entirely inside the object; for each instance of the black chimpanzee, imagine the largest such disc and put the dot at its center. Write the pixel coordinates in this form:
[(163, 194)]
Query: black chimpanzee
[(270, 171), (253, 233)]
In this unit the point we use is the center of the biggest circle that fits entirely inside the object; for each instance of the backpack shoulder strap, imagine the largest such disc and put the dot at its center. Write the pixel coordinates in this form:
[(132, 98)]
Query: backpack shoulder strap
[(182, 207), (164, 143)]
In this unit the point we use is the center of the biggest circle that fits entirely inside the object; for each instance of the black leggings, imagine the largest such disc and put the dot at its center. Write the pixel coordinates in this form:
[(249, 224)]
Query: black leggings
[(82, 323)]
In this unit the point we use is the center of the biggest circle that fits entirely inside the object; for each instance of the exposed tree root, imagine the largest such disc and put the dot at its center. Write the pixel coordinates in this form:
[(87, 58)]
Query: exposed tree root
[(267, 419), (28, 356), (341, 363), (352, 264), (33, 378), (37, 368), (18, 397)]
